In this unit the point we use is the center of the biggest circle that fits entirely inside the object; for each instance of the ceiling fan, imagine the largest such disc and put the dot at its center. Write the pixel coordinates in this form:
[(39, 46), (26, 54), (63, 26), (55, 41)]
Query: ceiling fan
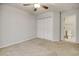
[(36, 6)]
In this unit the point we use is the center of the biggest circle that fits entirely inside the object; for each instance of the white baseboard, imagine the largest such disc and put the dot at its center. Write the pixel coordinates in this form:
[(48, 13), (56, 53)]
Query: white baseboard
[(47, 39), (13, 43)]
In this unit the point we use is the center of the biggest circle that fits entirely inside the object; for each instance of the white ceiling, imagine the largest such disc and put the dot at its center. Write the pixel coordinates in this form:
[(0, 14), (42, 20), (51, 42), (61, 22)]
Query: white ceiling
[(52, 7)]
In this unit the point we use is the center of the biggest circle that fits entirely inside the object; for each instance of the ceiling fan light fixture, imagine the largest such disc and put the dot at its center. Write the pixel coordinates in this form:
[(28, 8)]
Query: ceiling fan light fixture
[(36, 5)]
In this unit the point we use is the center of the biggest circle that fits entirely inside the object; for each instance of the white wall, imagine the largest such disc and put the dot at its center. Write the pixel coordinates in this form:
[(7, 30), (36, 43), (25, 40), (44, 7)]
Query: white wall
[(48, 26), (69, 14), (77, 26), (15, 25), (56, 26)]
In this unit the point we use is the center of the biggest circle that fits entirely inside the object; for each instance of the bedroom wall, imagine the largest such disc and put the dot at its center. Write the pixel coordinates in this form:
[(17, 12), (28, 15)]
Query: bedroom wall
[(56, 26), (16, 25), (77, 26)]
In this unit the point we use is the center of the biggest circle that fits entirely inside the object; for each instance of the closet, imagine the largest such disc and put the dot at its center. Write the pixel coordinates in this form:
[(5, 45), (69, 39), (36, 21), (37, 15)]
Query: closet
[(48, 26)]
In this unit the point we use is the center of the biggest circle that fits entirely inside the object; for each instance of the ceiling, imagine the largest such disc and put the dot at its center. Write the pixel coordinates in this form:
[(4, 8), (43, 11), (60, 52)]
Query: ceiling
[(52, 7)]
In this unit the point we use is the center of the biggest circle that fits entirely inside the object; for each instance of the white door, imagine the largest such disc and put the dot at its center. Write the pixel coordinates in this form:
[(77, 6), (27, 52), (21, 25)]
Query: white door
[(45, 28)]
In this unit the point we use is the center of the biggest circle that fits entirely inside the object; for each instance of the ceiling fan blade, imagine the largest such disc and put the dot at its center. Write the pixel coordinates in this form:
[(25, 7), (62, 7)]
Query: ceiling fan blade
[(45, 7), (26, 4), (35, 9)]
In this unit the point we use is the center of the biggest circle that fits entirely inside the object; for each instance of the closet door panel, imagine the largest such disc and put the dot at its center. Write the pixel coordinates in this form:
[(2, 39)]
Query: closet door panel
[(45, 28)]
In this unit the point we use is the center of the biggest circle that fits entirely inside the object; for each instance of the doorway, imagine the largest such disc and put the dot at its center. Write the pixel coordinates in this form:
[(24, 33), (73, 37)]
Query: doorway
[(69, 28)]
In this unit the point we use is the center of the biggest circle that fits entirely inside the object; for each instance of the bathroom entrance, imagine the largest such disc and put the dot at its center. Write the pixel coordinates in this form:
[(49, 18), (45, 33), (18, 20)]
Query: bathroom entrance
[(69, 28)]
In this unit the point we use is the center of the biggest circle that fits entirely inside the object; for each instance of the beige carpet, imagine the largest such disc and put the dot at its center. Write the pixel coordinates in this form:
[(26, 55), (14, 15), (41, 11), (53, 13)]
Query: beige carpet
[(41, 47)]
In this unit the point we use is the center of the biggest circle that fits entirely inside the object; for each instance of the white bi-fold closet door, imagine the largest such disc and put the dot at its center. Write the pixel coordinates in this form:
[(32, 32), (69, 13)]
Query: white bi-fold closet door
[(45, 28)]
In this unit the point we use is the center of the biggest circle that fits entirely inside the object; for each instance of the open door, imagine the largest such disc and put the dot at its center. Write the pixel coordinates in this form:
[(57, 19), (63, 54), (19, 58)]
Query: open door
[(69, 28)]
